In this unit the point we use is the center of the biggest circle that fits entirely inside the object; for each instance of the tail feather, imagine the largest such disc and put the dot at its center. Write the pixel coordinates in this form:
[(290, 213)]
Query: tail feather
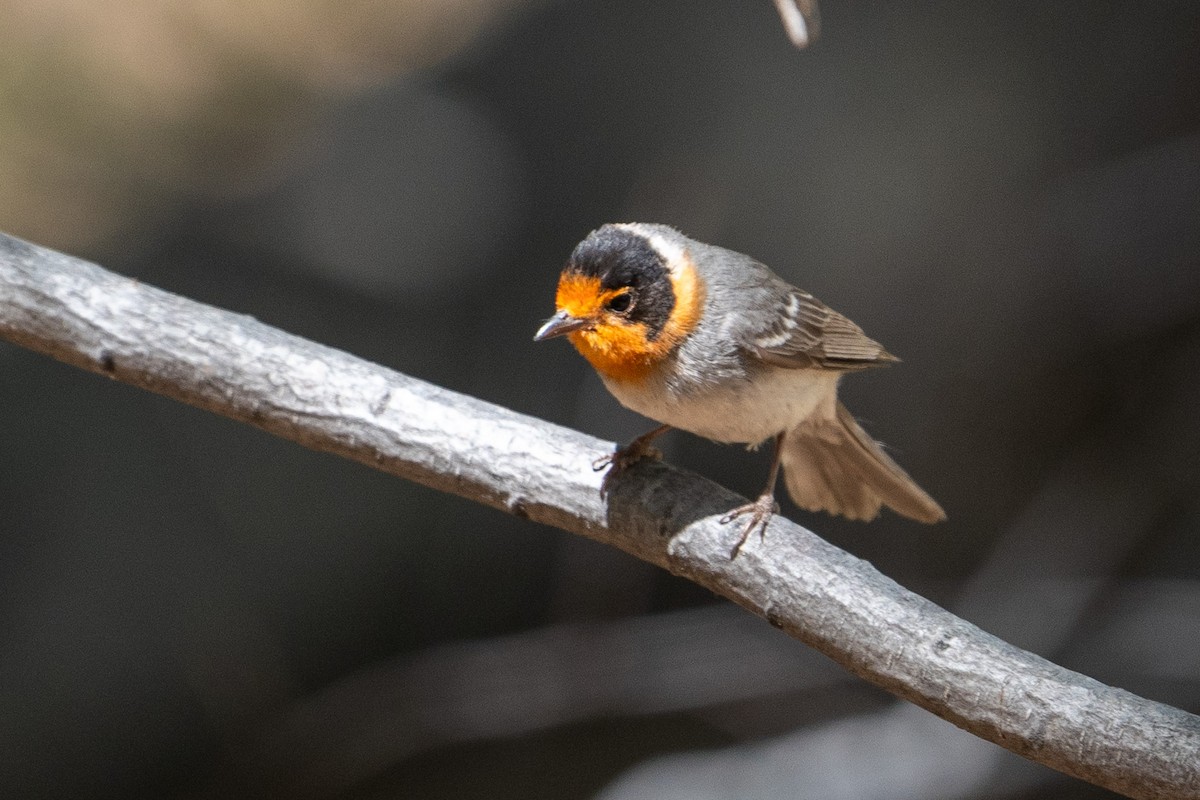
[(835, 466)]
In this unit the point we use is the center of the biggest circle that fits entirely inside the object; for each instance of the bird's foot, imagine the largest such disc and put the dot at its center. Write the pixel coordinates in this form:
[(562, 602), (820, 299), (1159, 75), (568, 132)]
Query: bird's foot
[(760, 511), (625, 457)]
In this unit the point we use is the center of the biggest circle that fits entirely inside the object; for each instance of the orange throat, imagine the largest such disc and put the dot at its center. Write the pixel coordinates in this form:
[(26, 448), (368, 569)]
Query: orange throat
[(621, 350)]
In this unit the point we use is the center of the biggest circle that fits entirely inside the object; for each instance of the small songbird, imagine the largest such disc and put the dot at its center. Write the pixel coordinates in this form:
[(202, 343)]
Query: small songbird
[(710, 341)]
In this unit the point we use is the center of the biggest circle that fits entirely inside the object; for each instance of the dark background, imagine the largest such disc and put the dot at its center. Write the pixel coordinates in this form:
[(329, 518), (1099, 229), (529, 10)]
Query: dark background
[(1006, 194)]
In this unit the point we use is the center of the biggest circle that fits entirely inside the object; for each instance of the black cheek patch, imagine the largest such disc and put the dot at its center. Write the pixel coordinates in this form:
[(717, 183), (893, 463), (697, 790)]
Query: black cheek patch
[(654, 306)]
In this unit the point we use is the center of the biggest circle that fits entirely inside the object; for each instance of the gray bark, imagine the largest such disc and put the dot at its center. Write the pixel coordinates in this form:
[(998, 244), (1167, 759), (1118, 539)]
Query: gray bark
[(328, 400)]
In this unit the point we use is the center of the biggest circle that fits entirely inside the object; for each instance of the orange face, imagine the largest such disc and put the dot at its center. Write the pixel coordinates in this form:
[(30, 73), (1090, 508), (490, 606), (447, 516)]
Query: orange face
[(616, 346)]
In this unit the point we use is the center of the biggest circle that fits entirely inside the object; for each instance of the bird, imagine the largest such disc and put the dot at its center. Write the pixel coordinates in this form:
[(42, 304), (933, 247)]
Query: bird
[(710, 341)]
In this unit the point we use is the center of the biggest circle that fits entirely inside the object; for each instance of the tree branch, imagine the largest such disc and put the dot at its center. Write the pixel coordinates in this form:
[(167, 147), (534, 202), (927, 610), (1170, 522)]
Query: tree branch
[(328, 400)]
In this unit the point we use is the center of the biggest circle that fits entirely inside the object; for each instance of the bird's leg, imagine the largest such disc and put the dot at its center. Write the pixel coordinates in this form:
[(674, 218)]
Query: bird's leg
[(635, 451), (762, 509), (625, 457)]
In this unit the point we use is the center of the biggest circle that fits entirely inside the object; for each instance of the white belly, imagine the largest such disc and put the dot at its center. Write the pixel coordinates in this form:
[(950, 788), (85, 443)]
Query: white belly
[(739, 411)]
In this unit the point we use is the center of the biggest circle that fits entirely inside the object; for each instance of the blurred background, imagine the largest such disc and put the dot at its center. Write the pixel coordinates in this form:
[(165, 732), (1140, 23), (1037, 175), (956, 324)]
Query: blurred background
[(1007, 194)]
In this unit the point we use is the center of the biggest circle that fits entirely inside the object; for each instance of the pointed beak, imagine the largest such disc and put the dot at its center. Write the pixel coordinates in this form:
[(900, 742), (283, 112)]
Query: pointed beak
[(560, 324)]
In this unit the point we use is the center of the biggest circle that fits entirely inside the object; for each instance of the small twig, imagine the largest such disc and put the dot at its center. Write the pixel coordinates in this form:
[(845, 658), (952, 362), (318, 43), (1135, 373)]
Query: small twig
[(328, 400), (800, 20)]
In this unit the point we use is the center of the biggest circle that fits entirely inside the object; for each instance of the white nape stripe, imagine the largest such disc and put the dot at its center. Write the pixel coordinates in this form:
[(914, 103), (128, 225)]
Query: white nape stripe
[(672, 253)]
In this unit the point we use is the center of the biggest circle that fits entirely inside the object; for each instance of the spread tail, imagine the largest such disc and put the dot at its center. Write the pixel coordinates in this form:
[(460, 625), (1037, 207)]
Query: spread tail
[(834, 465)]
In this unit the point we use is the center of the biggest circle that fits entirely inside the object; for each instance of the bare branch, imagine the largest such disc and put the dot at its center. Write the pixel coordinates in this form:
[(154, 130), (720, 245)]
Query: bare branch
[(328, 400)]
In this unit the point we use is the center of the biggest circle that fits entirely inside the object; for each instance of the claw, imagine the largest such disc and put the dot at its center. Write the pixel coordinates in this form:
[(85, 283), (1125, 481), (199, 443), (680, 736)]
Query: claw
[(622, 460), (760, 511), (626, 457)]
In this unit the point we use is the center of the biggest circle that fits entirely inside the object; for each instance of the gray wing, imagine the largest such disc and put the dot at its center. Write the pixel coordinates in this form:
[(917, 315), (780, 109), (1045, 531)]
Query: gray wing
[(804, 332)]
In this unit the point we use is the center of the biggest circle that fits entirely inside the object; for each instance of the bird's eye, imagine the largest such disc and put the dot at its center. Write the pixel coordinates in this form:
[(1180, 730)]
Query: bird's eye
[(621, 303)]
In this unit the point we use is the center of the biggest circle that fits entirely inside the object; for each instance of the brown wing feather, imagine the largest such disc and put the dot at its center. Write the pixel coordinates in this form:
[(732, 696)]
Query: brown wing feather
[(807, 333)]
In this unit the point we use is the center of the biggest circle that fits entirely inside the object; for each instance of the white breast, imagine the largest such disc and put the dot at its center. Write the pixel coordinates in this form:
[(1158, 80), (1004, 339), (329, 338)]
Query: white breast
[(735, 410)]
